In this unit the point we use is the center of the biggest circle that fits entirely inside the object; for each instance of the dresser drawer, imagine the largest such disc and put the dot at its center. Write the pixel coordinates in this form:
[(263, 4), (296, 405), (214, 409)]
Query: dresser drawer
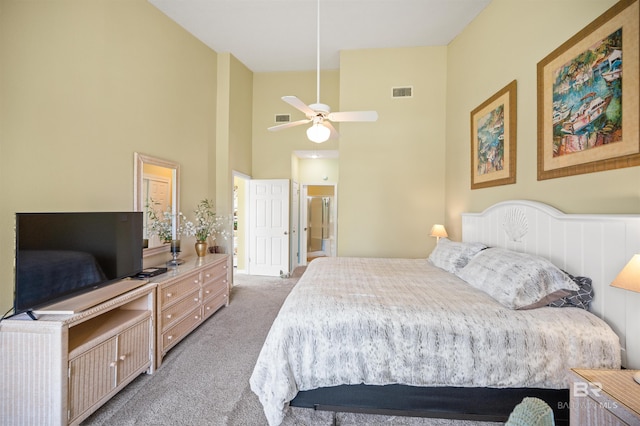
[(213, 304), (173, 313), (176, 291), (215, 272), (192, 292), (181, 329), (213, 289)]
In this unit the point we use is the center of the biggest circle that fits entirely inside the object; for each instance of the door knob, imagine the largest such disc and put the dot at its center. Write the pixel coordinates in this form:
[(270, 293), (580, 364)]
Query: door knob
[(286, 233)]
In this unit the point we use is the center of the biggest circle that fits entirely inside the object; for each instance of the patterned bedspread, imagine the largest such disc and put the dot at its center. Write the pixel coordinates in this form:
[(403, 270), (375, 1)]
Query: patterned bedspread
[(382, 321)]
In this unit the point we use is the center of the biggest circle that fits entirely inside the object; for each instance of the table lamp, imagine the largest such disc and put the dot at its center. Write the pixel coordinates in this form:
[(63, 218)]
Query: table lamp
[(629, 279), (438, 231)]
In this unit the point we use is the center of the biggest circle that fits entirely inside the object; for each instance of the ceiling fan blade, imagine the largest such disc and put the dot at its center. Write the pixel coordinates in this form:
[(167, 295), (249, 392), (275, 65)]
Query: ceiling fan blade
[(287, 125), (334, 133), (353, 116), (298, 104)]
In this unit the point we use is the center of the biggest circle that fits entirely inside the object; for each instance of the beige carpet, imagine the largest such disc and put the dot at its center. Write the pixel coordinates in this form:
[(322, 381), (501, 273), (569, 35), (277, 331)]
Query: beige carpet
[(204, 380)]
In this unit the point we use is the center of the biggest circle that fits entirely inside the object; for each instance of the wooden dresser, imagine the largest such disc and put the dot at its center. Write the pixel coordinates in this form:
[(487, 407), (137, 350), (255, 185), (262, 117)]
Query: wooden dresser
[(188, 295), (604, 397)]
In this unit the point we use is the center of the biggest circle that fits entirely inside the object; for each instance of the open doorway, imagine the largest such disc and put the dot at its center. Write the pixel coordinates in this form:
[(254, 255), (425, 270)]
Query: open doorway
[(240, 222), (318, 217)]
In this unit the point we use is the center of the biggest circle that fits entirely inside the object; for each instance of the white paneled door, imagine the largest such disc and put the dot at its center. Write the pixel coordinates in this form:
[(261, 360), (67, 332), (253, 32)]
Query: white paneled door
[(269, 227)]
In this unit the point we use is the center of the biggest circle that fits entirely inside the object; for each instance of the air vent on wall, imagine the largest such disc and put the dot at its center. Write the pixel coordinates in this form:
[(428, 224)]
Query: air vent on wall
[(402, 92), (283, 118)]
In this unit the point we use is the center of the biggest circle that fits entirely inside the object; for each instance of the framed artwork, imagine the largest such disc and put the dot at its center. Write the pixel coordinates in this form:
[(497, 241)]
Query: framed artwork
[(493, 140), (588, 106)]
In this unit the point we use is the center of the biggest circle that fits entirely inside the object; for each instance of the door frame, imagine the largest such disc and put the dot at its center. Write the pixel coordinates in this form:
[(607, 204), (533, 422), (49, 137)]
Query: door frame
[(294, 226), (245, 221), (302, 218)]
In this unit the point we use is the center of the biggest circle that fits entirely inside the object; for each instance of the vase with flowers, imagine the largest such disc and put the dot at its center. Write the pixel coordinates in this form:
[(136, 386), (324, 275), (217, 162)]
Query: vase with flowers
[(159, 223), (206, 227)]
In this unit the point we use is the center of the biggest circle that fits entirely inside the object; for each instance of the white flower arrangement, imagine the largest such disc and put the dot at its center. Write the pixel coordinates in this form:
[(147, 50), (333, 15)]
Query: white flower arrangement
[(161, 223), (207, 223)]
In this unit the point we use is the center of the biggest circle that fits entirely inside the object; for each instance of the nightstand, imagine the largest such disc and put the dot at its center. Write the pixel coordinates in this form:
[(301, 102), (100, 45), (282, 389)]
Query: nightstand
[(604, 397)]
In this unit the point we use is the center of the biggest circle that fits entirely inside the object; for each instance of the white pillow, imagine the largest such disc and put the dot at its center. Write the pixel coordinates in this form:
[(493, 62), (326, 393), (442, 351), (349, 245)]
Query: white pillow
[(517, 280), (453, 256)]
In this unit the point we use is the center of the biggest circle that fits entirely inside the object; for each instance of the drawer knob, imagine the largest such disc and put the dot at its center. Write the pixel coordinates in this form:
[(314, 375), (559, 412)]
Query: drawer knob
[(169, 316), (169, 294), (208, 275), (196, 317), (123, 357), (112, 364), (196, 299), (196, 281), (208, 308), (207, 292), (169, 337)]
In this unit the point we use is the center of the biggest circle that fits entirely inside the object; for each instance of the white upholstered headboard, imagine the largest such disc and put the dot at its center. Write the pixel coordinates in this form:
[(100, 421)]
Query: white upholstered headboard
[(594, 245)]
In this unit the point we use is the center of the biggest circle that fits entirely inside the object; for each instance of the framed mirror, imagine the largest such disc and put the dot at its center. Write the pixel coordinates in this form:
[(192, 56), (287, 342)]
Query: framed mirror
[(157, 186)]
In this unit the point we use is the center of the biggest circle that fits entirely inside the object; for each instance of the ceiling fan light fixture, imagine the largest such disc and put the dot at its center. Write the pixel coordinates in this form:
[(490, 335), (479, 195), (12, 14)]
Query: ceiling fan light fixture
[(321, 130), (318, 133)]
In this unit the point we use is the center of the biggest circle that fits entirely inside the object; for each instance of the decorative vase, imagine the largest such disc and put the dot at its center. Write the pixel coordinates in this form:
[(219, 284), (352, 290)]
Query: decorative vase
[(201, 248)]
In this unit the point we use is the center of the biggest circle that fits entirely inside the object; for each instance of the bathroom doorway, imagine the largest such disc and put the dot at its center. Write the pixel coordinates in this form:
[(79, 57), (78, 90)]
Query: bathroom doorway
[(318, 217)]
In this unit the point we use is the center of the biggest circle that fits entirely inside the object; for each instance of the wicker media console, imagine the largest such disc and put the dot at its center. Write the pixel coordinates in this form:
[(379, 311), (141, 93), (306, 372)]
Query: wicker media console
[(64, 366)]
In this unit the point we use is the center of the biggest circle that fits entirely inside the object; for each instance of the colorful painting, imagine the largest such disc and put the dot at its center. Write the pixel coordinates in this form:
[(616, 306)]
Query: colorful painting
[(588, 107), (587, 98), (493, 140)]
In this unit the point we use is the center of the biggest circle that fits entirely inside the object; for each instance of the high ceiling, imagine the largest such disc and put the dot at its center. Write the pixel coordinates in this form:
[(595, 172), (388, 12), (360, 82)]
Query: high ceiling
[(281, 35)]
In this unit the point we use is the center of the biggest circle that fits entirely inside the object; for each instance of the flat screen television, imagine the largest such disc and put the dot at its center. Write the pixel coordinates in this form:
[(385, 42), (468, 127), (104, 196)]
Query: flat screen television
[(60, 255)]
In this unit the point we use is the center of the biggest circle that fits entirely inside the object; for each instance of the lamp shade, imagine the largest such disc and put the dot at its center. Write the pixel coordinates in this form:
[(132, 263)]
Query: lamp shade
[(629, 277), (318, 133), (439, 231)]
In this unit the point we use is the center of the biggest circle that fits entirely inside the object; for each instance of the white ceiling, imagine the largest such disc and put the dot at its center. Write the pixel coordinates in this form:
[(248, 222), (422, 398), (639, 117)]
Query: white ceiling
[(280, 35)]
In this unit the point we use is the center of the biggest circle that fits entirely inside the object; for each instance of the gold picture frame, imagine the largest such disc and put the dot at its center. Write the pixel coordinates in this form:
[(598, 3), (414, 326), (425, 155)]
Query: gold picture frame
[(587, 117), (493, 140)]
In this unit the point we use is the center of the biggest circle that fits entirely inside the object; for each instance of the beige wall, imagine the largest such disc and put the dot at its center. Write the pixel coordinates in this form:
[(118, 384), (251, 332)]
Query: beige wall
[(319, 171), (84, 85), (391, 187), (241, 117), (234, 132), (504, 43), (391, 173)]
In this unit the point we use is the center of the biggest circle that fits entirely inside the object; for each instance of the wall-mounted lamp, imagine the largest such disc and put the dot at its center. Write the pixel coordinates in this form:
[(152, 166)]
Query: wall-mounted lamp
[(438, 231), (629, 279)]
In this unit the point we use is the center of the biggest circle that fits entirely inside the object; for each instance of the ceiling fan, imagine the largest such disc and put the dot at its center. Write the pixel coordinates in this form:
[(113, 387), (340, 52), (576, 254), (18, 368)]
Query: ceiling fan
[(320, 114)]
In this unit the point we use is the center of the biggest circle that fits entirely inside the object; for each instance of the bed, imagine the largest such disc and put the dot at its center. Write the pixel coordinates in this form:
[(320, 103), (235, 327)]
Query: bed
[(430, 337)]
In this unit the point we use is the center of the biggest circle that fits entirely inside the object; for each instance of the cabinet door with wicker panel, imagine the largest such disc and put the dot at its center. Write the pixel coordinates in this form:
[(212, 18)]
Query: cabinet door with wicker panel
[(96, 373)]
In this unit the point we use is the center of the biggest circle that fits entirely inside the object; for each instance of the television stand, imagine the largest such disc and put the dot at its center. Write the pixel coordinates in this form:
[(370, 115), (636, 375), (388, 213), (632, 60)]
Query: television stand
[(32, 315), (79, 360), (89, 299)]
